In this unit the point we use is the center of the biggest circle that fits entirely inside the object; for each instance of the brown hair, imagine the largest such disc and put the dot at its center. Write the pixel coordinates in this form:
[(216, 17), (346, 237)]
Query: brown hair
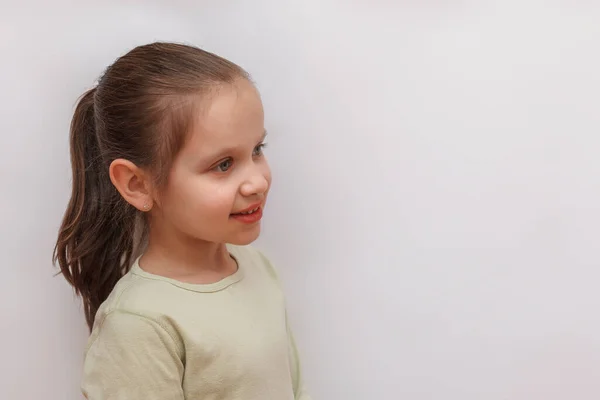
[(139, 111)]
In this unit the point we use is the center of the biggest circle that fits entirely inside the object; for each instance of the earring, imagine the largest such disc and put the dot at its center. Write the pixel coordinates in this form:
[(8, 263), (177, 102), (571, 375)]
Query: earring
[(146, 207)]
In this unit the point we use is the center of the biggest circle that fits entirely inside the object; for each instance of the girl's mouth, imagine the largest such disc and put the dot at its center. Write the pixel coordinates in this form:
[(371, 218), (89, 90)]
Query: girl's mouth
[(250, 216)]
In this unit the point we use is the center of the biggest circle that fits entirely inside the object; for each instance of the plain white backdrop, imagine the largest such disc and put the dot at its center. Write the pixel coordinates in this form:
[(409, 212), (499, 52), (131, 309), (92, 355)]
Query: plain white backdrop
[(436, 204)]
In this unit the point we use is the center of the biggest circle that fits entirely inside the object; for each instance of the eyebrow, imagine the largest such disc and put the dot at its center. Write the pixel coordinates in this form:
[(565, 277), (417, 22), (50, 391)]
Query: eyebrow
[(228, 150)]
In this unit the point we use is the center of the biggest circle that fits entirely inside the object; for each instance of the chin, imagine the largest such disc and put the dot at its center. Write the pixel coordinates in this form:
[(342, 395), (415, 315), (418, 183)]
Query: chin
[(245, 238)]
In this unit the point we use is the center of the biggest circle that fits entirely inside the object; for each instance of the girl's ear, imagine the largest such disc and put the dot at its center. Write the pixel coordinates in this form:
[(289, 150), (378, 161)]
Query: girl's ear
[(133, 183)]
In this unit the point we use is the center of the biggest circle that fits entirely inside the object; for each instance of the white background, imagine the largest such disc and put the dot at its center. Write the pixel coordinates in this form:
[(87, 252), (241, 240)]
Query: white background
[(436, 209)]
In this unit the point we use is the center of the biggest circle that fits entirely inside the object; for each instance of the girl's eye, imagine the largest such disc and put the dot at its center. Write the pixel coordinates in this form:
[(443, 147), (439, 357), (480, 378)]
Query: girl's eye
[(224, 165), (258, 150)]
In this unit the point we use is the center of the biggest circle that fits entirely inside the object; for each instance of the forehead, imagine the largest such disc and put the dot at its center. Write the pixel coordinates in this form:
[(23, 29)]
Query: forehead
[(232, 114)]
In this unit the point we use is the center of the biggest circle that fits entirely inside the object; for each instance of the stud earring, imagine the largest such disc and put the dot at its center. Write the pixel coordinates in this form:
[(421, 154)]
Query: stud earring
[(146, 207)]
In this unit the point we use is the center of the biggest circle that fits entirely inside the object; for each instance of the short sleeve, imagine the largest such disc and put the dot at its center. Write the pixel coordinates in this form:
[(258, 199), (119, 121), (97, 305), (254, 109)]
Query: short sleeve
[(132, 357)]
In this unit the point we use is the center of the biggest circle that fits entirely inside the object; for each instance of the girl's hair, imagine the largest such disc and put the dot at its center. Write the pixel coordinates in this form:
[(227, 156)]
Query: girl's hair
[(141, 110)]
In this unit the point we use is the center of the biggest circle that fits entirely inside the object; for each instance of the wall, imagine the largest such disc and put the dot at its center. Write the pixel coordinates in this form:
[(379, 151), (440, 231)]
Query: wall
[(435, 210)]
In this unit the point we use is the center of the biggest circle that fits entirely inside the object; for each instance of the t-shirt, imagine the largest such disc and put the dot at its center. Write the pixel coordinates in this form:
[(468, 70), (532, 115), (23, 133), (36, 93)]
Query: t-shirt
[(156, 338)]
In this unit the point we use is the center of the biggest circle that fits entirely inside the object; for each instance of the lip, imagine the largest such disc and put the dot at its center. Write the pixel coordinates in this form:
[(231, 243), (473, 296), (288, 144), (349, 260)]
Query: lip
[(253, 218), (252, 207)]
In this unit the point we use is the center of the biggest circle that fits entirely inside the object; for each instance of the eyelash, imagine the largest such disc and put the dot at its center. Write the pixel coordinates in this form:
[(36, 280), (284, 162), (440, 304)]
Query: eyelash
[(257, 152), (260, 149)]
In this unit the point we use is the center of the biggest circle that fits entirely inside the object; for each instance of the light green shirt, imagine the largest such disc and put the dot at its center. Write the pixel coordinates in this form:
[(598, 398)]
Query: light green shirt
[(156, 338)]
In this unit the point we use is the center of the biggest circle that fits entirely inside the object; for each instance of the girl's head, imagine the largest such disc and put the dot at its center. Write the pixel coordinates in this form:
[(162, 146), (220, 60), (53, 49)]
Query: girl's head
[(169, 144)]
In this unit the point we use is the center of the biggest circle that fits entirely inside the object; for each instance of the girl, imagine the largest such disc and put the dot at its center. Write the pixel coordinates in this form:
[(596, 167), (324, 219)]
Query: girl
[(169, 187)]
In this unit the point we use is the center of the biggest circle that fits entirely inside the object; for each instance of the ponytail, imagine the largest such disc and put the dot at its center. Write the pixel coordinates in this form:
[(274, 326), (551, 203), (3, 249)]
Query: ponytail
[(96, 239)]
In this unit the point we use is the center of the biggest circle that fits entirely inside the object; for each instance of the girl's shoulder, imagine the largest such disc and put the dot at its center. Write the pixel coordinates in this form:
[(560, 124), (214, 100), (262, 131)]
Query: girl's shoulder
[(139, 294)]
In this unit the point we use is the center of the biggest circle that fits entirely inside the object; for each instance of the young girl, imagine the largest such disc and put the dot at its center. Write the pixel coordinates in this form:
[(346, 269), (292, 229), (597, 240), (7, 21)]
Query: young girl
[(169, 187)]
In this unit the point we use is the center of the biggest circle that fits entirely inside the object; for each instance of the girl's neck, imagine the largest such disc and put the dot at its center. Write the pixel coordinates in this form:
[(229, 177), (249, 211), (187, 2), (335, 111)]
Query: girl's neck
[(187, 259)]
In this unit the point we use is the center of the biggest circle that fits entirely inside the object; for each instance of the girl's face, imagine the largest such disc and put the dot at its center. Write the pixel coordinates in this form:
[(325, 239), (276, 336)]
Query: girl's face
[(220, 173)]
